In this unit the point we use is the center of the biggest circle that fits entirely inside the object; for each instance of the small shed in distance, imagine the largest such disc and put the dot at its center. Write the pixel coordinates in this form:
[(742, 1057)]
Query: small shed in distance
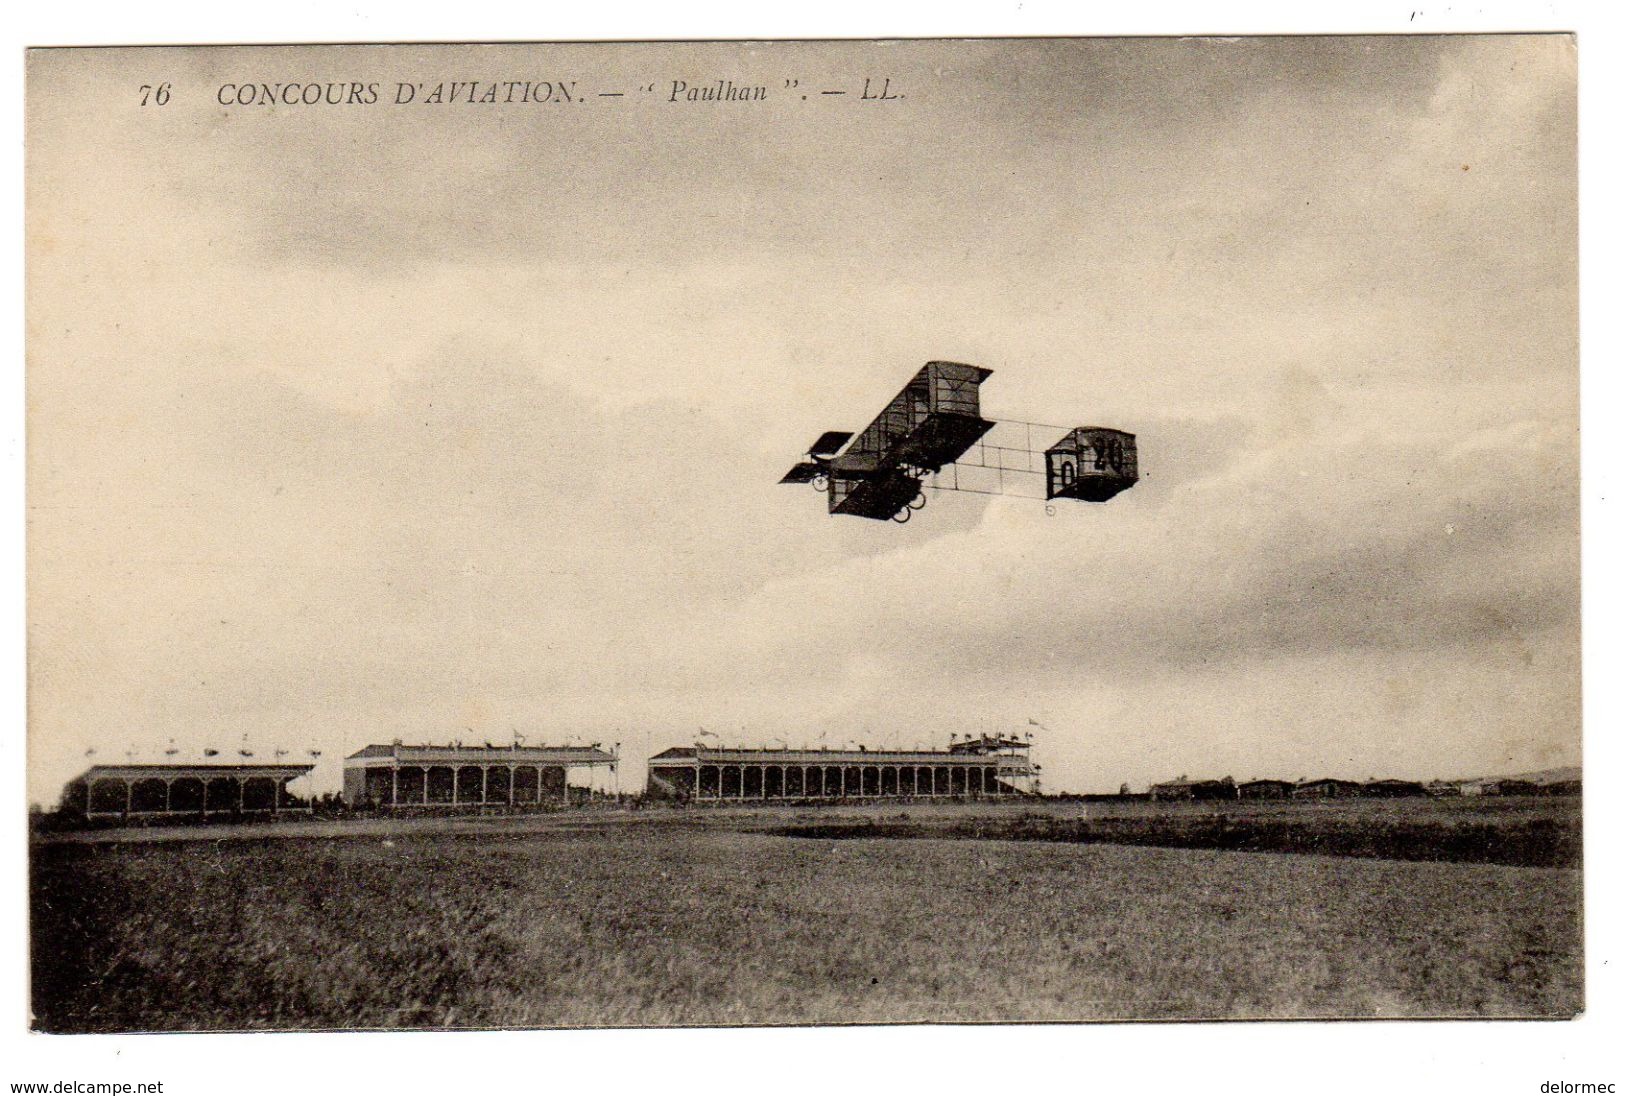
[(1395, 789), (1184, 789), (1499, 786), (1265, 789), (1327, 788)]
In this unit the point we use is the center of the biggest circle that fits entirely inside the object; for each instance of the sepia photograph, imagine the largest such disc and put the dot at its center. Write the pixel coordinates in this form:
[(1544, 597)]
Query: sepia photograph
[(728, 533)]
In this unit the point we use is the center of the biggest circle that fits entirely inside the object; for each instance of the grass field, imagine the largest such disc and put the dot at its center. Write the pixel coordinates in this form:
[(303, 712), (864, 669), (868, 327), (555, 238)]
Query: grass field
[(707, 920)]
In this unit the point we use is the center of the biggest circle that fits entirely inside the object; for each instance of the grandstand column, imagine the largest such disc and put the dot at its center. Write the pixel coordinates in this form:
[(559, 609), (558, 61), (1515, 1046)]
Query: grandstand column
[(510, 784), (395, 785)]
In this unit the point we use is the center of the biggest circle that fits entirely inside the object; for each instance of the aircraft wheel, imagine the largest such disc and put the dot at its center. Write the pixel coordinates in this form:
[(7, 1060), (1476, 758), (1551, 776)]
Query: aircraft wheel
[(820, 482), (902, 516), (917, 502)]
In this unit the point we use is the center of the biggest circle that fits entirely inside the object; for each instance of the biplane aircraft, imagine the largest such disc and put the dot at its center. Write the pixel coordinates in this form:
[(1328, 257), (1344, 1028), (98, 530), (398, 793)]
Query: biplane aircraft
[(934, 424)]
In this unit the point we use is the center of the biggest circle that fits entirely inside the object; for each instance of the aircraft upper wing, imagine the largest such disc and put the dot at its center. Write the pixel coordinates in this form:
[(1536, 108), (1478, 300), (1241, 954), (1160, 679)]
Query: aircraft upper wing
[(930, 423)]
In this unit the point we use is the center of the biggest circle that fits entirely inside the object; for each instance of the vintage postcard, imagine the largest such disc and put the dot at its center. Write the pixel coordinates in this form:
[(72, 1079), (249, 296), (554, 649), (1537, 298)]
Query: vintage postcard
[(803, 533)]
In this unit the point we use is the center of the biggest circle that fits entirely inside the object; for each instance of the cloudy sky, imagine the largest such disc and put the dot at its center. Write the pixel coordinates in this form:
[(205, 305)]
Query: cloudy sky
[(350, 423)]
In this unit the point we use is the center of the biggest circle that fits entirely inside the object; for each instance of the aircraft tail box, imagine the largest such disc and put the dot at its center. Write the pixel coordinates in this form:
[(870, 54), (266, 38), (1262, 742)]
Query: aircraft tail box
[(1092, 463)]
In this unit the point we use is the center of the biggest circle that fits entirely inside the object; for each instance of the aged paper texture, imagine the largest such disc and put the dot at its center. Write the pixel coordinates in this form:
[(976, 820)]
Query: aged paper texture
[(803, 533)]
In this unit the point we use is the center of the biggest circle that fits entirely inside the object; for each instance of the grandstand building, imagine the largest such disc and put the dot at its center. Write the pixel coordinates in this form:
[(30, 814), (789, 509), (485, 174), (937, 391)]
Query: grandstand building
[(983, 767), (158, 792), (455, 776)]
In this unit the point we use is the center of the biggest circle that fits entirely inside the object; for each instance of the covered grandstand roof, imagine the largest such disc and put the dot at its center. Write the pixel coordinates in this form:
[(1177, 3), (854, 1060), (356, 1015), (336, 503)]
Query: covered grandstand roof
[(575, 755), (733, 756)]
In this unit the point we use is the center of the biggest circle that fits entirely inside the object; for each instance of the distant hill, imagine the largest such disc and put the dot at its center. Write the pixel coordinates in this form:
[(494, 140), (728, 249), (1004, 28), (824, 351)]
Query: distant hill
[(1543, 776)]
